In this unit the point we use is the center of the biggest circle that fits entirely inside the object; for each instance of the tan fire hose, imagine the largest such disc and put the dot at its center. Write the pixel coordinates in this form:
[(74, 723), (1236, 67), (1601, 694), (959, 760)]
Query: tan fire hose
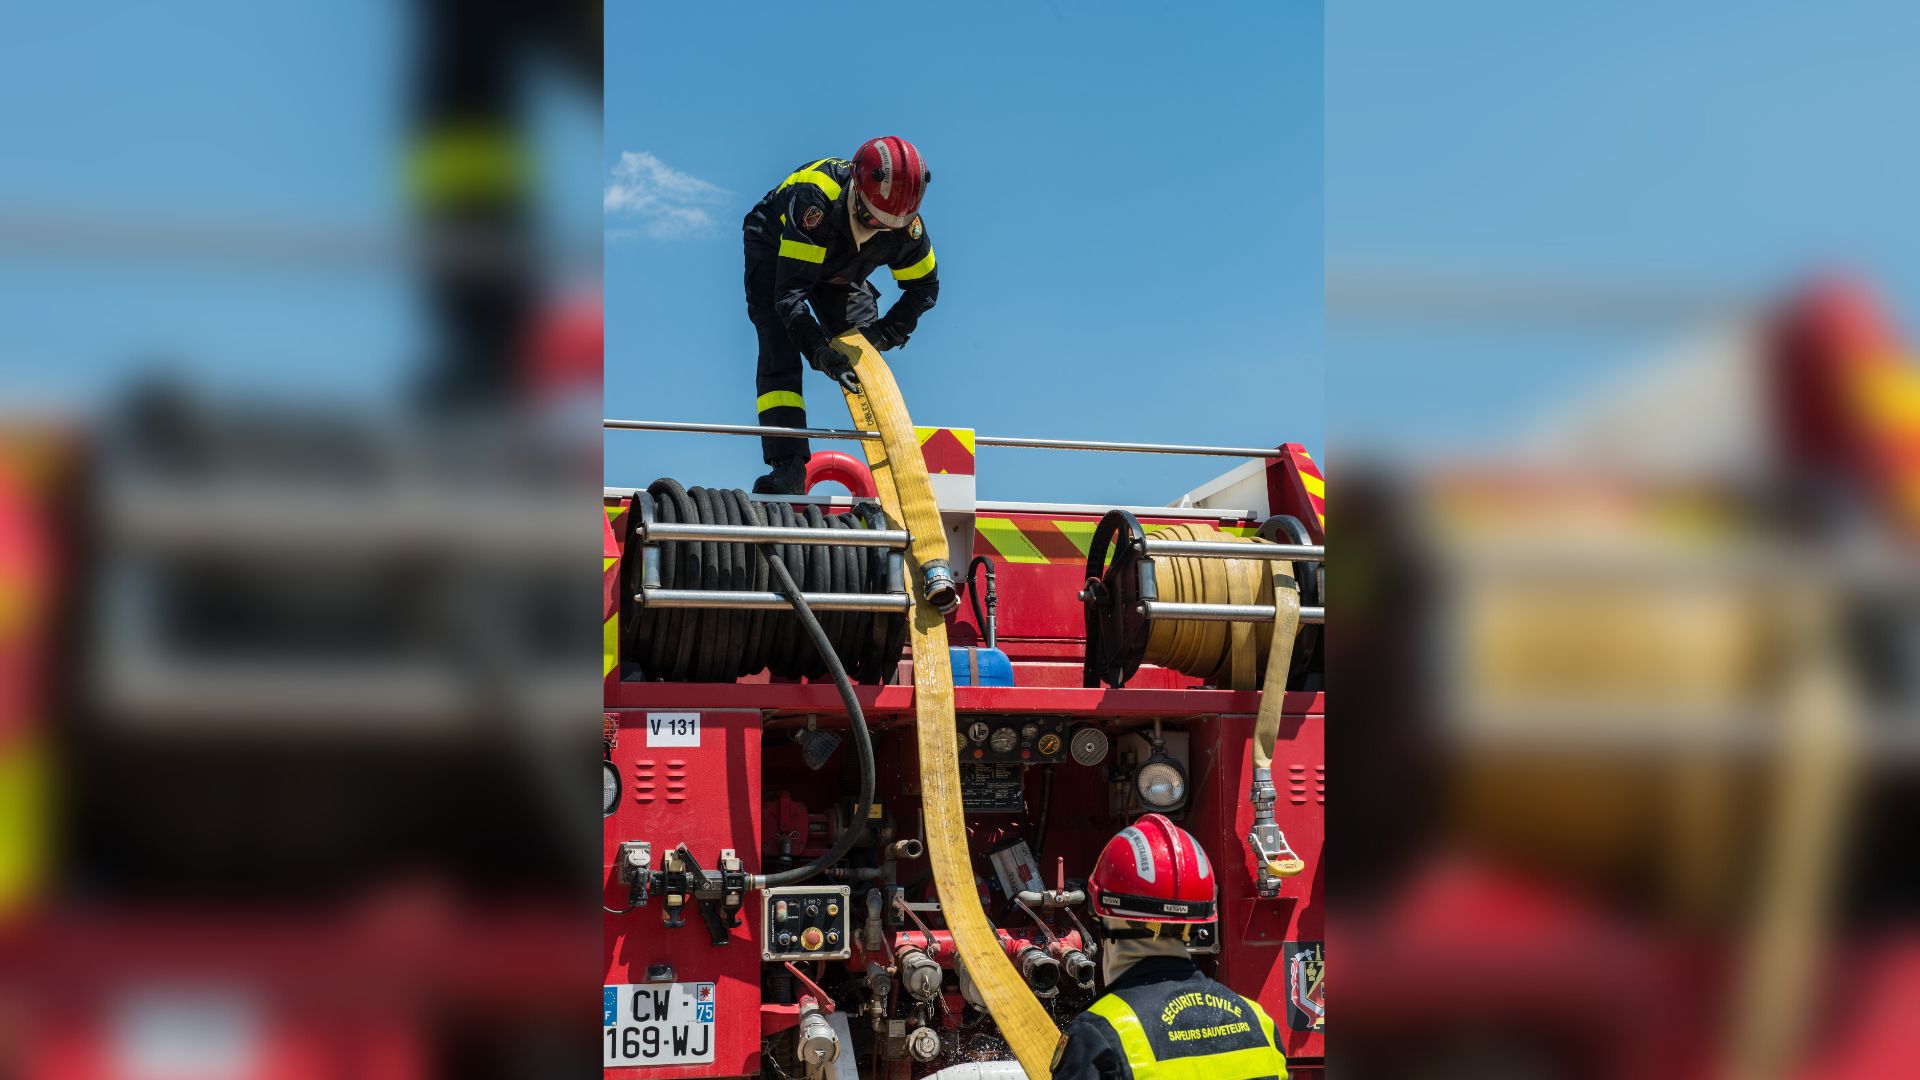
[(1277, 858), (1225, 654), (900, 477), (1228, 655)]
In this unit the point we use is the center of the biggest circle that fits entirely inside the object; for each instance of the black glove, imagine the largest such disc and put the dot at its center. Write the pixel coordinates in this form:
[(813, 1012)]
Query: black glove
[(833, 363), (883, 336)]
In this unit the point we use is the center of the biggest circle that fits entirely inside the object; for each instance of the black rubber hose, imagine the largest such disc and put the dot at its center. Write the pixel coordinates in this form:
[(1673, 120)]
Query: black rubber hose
[(722, 645), (680, 569), (754, 652), (862, 739), (973, 596)]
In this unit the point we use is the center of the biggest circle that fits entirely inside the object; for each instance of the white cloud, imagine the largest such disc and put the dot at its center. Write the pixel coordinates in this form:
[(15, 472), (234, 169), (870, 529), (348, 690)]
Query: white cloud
[(663, 202)]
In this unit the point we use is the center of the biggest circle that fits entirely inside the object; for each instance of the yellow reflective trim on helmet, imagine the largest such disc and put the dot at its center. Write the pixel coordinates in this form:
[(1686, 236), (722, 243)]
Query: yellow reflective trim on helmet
[(774, 399), (917, 270), (805, 252)]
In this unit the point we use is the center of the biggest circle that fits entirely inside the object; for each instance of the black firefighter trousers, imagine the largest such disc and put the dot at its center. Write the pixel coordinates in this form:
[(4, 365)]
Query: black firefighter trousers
[(839, 307)]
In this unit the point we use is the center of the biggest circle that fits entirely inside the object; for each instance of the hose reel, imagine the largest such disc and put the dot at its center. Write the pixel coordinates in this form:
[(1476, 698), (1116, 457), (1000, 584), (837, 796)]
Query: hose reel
[(697, 603), (1197, 600)]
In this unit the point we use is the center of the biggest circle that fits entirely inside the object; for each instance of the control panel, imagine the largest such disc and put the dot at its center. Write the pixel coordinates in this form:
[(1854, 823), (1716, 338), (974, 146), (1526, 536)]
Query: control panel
[(805, 922), (1013, 740)]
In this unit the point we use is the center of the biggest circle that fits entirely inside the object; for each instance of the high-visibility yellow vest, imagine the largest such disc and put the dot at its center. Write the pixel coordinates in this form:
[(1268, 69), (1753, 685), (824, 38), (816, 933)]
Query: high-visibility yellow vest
[(1246, 1063)]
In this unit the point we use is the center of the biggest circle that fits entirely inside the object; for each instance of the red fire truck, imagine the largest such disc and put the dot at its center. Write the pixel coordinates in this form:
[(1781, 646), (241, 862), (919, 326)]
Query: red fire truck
[(754, 927)]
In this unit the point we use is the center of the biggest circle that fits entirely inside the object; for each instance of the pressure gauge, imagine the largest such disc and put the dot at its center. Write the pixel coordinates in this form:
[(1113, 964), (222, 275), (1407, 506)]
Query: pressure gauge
[(977, 731), (1028, 731), (609, 788), (1161, 784), (1005, 740), (1088, 745)]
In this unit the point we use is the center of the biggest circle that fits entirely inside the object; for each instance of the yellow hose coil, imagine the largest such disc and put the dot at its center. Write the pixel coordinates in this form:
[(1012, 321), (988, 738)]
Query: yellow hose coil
[(1237, 656), (900, 477), (1228, 655)]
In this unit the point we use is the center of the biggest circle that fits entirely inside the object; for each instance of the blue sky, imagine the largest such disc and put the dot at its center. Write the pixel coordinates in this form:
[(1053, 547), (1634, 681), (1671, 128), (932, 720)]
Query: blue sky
[(1126, 207), (1731, 143), (1720, 142), (285, 114)]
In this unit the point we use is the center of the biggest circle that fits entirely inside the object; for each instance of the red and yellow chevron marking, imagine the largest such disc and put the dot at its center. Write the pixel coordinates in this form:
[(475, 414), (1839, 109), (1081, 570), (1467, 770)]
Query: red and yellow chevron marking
[(1037, 541), (947, 450), (1311, 481), (35, 465), (613, 526)]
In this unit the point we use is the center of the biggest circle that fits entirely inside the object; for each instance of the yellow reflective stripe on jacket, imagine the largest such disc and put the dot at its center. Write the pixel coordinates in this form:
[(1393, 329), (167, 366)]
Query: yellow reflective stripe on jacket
[(468, 162), (1231, 1065), (808, 175), (805, 252), (1273, 1034), (774, 399), (917, 270)]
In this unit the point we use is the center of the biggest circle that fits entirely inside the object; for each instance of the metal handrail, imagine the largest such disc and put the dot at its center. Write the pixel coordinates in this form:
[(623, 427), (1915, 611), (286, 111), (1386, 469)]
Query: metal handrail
[(979, 440), (771, 601), (1229, 550), (1168, 609), (774, 534)]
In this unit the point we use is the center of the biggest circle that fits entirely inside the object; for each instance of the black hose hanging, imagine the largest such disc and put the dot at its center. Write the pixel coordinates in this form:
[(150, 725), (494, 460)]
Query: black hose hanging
[(722, 645), (862, 739), (775, 568)]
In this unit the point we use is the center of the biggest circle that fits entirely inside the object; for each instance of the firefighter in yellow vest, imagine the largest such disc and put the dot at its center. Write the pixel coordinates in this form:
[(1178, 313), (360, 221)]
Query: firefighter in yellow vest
[(1161, 1017)]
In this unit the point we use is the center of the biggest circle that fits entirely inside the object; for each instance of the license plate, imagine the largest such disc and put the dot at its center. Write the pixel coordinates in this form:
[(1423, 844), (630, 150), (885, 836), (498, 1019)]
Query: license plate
[(658, 1024)]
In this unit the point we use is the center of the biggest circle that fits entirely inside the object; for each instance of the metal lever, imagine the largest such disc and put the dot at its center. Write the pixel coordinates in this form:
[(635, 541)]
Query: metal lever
[(675, 886)]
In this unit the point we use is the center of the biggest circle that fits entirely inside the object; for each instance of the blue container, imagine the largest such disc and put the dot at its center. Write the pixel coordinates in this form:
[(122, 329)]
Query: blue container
[(991, 665)]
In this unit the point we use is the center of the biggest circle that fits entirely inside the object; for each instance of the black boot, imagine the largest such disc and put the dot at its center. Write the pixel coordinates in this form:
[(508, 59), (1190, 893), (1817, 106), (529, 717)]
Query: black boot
[(787, 478)]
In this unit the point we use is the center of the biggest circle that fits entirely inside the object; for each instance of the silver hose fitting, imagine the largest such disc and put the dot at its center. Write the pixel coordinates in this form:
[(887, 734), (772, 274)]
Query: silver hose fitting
[(816, 1045), (1080, 968), (942, 591), (919, 973), (1264, 838)]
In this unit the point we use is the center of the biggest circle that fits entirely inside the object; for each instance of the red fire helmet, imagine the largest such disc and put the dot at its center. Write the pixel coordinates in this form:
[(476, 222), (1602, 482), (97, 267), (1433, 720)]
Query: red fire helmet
[(1153, 870), (891, 178)]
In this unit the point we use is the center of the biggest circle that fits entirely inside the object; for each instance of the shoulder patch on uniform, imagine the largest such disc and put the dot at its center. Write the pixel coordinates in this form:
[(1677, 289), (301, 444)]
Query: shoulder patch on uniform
[(1059, 1050), (811, 217), (914, 230)]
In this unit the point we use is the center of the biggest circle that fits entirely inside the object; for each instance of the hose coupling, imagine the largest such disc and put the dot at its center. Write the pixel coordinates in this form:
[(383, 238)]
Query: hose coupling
[(919, 973), (942, 591), (1080, 968), (1041, 972), (1273, 857), (1264, 794), (816, 1045)]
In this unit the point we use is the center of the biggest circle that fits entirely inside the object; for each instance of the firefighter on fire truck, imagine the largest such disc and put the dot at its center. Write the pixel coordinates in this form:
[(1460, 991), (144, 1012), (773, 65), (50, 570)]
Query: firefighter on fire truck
[(814, 239), (1161, 1017)]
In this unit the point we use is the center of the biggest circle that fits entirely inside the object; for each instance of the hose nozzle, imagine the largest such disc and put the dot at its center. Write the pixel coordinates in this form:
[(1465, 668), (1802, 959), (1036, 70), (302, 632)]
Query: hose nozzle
[(942, 591)]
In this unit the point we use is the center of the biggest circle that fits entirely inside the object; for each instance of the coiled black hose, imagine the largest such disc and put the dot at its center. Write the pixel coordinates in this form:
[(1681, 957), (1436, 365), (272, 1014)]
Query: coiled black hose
[(722, 645)]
